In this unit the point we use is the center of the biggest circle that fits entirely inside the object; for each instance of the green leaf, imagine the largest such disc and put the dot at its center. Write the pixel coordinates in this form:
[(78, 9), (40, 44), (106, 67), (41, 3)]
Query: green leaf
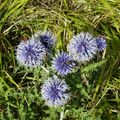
[(92, 67)]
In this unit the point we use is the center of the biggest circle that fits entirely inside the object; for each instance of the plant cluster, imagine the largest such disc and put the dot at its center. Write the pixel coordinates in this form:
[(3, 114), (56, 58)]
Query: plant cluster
[(81, 48)]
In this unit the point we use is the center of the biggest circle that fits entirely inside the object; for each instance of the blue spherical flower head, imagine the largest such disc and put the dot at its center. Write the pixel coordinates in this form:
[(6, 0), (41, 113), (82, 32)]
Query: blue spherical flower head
[(101, 43), (30, 53), (46, 38), (54, 92), (63, 63), (82, 47)]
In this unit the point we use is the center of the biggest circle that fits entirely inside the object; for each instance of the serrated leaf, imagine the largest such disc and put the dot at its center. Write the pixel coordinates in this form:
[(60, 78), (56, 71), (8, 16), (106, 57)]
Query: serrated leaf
[(92, 67)]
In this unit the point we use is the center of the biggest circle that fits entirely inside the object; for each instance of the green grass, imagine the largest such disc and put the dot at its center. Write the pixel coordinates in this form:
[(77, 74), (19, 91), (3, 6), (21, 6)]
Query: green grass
[(20, 96)]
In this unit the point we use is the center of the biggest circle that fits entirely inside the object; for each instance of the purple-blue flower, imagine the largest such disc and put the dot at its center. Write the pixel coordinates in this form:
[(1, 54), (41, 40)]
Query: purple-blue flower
[(101, 43), (54, 92), (30, 53), (63, 63), (46, 38), (82, 47)]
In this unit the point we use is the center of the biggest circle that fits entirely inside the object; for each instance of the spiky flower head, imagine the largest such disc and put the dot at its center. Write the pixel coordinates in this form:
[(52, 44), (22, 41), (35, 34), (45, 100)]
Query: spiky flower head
[(46, 38), (54, 92), (101, 43), (82, 47), (63, 63), (30, 53)]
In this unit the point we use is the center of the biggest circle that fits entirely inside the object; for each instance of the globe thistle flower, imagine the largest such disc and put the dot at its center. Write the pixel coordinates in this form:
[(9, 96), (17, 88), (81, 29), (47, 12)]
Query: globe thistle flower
[(101, 43), (63, 63), (30, 53), (46, 38), (82, 47), (54, 92)]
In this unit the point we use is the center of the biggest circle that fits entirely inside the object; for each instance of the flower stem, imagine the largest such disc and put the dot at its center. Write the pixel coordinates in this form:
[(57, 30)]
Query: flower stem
[(62, 114)]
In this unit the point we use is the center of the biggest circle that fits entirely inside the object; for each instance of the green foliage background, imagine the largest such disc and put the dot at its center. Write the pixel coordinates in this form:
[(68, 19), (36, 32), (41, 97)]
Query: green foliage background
[(20, 96)]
